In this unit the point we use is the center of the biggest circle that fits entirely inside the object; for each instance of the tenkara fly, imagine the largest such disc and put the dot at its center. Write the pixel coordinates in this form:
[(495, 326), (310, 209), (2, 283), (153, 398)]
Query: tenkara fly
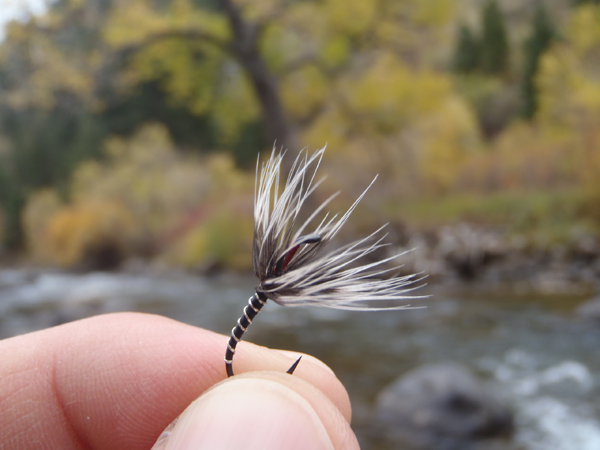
[(288, 262)]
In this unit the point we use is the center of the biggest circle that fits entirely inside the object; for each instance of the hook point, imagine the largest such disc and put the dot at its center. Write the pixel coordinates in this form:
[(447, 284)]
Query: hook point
[(291, 369)]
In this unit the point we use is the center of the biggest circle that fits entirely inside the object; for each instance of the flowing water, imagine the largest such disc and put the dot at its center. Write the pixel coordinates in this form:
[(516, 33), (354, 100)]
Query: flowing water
[(542, 359)]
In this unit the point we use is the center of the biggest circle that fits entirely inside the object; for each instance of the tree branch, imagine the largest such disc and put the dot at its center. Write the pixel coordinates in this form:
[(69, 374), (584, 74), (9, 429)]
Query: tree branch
[(103, 75), (198, 35)]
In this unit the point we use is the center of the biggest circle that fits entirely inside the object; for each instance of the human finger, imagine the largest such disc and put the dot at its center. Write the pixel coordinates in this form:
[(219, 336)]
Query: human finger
[(261, 411), (116, 381)]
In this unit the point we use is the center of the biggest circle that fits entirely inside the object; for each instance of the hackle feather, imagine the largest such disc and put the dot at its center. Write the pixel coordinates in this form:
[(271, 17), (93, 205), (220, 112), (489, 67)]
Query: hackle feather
[(334, 280)]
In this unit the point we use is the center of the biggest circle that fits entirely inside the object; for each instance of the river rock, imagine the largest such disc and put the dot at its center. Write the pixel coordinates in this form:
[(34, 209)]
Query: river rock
[(590, 310), (442, 406)]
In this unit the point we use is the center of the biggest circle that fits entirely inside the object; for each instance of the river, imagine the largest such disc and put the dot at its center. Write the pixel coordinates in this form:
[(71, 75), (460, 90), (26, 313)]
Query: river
[(539, 355)]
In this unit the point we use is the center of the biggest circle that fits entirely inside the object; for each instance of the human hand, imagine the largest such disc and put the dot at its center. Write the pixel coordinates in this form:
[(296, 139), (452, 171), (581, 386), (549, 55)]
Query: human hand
[(116, 381)]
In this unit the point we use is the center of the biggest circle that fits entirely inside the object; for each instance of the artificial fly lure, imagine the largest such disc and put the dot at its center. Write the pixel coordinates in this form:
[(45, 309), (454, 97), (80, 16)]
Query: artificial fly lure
[(288, 263)]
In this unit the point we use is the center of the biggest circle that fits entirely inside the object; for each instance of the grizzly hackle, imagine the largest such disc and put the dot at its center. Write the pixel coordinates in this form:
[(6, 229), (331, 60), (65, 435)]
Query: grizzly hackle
[(290, 262)]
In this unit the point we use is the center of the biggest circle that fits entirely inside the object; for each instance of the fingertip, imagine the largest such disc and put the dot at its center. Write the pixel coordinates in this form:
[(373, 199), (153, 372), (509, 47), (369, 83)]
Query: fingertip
[(322, 376), (254, 358), (265, 410)]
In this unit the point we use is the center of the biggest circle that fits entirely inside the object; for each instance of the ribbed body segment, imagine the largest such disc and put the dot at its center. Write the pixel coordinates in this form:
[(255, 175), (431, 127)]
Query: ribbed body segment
[(255, 304)]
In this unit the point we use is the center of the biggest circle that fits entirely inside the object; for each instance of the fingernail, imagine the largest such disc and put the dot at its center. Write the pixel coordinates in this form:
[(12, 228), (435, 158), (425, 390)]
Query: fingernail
[(249, 414)]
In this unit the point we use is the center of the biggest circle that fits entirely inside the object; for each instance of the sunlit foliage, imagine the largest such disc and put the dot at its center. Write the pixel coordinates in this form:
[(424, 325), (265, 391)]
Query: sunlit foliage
[(384, 83), (94, 235), (569, 86), (146, 196), (40, 208), (222, 241)]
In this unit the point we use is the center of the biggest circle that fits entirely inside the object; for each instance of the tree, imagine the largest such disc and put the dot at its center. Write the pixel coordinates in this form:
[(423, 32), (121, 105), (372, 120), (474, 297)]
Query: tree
[(569, 100), (540, 39), (336, 71), (494, 41), (205, 39), (234, 74), (269, 62), (466, 55)]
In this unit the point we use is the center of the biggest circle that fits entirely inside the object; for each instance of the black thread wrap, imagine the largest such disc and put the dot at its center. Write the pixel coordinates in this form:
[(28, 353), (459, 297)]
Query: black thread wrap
[(255, 304)]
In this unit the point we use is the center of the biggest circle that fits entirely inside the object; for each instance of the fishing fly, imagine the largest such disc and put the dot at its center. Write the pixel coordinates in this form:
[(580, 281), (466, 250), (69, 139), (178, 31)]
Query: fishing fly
[(289, 264)]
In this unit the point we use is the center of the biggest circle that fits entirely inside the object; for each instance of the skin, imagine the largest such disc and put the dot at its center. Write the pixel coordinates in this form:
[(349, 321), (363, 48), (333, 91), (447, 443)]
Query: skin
[(116, 381)]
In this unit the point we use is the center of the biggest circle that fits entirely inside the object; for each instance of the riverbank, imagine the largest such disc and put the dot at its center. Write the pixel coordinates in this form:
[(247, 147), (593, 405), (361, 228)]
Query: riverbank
[(486, 258), (491, 259)]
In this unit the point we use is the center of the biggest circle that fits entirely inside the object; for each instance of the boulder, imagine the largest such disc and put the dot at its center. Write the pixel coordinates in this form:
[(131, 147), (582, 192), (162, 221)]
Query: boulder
[(441, 406), (590, 310)]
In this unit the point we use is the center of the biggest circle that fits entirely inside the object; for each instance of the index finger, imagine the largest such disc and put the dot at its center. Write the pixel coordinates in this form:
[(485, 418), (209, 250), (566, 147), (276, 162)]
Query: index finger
[(116, 381)]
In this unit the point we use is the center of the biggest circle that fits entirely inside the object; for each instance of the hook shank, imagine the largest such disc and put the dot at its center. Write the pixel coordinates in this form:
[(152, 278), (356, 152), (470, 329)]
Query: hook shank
[(255, 304)]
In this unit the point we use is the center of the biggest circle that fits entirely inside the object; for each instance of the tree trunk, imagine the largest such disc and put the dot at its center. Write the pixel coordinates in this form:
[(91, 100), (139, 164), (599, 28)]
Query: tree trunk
[(245, 46)]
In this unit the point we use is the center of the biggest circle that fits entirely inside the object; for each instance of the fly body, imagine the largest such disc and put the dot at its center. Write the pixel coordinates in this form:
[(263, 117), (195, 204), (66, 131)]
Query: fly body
[(290, 264)]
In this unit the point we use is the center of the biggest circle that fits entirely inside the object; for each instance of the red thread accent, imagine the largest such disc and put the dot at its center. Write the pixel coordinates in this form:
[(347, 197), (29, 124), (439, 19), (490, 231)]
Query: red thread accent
[(289, 255)]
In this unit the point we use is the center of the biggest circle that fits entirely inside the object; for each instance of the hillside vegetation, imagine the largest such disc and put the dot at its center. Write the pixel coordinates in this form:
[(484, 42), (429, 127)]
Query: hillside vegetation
[(131, 129)]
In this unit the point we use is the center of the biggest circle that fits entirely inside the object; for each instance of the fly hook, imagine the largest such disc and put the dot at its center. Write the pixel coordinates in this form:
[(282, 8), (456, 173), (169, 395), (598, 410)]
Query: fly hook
[(288, 265)]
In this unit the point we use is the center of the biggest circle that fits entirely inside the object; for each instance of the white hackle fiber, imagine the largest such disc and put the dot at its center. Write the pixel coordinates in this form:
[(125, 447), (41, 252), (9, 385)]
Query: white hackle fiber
[(332, 280)]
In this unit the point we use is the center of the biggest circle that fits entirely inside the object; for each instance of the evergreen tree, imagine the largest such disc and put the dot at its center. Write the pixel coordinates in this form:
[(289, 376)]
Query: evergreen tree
[(494, 42), (466, 55), (539, 40)]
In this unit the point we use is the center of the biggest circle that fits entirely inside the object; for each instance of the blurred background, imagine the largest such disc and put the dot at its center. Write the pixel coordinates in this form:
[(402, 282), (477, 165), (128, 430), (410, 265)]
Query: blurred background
[(129, 133)]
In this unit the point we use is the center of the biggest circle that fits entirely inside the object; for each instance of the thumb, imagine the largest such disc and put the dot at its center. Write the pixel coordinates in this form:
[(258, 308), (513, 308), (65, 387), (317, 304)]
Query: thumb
[(260, 410)]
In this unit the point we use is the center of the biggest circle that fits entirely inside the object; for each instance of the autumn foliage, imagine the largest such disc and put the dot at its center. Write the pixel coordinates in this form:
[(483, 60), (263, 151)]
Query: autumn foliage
[(159, 113), (146, 200)]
